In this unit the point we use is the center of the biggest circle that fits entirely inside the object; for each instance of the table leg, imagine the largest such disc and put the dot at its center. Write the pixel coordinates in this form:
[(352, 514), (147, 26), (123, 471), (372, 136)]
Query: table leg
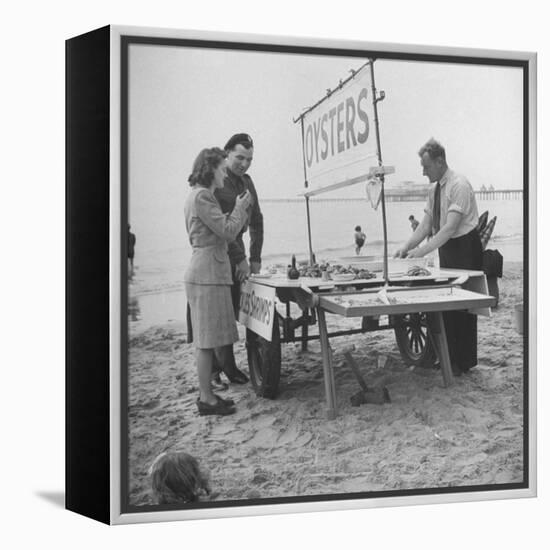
[(305, 330), (438, 330), (327, 366), (332, 383)]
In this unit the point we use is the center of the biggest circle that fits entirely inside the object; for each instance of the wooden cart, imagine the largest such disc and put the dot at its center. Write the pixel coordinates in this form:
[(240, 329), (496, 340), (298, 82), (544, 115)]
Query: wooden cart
[(415, 317)]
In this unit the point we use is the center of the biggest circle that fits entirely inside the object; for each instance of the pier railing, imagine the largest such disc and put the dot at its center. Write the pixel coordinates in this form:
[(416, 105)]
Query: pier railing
[(498, 194), (400, 196)]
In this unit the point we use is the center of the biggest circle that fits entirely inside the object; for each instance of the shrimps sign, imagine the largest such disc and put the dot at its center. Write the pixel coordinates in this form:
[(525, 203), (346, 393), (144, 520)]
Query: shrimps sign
[(338, 134), (257, 308)]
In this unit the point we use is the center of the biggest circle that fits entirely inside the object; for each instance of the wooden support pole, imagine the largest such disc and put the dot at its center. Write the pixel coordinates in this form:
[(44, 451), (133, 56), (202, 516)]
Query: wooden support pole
[(305, 330), (308, 218), (438, 330), (327, 365), (375, 101)]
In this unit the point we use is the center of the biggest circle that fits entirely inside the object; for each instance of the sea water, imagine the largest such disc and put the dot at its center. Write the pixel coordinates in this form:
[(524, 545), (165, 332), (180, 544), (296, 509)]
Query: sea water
[(156, 292)]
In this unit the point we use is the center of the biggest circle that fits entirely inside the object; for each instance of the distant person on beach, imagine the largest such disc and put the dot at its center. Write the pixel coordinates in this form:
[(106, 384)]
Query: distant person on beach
[(359, 238), (240, 152), (208, 277), (131, 251), (176, 478), (451, 215), (414, 222)]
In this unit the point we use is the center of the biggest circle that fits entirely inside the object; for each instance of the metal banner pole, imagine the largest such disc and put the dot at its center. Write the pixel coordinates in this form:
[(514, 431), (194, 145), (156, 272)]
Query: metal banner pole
[(307, 198), (375, 101)]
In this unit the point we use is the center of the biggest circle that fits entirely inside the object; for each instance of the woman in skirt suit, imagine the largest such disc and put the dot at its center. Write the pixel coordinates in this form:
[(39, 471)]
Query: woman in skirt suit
[(208, 278)]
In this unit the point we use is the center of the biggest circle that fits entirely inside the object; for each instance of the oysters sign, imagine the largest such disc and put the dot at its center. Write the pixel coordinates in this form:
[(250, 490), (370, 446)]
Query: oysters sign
[(339, 135)]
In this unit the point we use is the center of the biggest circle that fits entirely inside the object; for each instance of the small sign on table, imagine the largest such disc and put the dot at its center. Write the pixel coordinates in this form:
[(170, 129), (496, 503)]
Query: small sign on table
[(257, 308)]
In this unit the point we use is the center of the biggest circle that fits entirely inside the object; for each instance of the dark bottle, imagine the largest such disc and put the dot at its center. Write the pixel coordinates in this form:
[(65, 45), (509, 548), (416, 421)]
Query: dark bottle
[(292, 272)]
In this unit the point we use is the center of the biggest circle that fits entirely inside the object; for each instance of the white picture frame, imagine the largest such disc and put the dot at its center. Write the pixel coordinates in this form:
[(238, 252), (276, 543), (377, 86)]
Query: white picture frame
[(106, 426)]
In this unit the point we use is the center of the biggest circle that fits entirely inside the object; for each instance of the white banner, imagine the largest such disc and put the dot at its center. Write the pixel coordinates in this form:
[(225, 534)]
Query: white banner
[(339, 135), (257, 308)]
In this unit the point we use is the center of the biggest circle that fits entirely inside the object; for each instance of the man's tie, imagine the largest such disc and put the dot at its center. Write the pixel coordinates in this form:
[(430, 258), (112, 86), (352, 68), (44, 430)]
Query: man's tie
[(437, 208)]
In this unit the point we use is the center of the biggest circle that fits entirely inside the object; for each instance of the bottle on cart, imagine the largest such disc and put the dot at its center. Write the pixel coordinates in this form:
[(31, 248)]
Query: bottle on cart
[(433, 260), (292, 272)]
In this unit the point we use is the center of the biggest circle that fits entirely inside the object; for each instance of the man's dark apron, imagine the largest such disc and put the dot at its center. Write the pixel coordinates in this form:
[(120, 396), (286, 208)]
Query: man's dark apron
[(461, 327)]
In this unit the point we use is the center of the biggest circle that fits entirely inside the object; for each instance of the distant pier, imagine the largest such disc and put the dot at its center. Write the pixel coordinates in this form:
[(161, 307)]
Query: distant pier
[(498, 194), (486, 195), (400, 196)]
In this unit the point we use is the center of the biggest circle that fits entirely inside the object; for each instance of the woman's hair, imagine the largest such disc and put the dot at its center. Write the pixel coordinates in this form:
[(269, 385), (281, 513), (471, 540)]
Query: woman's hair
[(203, 168), (176, 478), (357, 228)]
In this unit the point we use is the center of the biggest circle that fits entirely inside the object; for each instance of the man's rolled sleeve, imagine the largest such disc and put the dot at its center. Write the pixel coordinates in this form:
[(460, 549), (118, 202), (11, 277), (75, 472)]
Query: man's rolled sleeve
[(460, 199)]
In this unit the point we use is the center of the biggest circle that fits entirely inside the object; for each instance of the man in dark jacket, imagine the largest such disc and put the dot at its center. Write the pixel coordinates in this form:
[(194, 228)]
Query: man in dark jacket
[(240, 151)]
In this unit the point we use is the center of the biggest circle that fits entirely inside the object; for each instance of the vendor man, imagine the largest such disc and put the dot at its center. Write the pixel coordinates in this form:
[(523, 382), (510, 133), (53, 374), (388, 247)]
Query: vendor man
[(240, 151), (451, 216)]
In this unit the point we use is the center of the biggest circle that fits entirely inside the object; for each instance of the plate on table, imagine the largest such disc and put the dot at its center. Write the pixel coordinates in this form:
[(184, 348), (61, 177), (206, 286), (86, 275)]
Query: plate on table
[(261, 275), (342, 276)]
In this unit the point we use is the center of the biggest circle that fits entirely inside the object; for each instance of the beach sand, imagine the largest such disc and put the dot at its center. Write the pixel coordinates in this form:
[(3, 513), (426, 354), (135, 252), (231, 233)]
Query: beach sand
[(429, 436)]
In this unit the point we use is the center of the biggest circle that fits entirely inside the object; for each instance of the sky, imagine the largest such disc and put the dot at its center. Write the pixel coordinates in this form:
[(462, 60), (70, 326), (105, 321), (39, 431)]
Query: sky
[(183, 99)]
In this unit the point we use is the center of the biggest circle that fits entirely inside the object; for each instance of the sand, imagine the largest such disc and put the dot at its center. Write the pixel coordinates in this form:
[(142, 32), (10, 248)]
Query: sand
[(429, 436)]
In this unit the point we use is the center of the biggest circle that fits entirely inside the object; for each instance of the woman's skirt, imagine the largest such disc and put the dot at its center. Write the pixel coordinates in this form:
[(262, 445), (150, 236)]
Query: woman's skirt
[(212, 315)]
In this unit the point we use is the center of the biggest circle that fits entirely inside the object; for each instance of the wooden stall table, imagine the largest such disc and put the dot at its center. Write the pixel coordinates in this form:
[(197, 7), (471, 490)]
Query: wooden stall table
[(414, 309), (396, 301)]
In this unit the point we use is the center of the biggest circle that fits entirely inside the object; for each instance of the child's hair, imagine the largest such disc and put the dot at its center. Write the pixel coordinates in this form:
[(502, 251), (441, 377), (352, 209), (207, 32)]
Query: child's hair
[(176, 477), (357, 228)]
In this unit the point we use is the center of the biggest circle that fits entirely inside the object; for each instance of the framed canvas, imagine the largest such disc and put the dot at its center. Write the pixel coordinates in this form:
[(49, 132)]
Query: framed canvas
[(354, 167)]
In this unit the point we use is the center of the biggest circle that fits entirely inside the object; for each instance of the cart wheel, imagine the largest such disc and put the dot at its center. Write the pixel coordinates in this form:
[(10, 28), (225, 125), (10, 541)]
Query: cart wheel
[(415, 345), (264, 361)]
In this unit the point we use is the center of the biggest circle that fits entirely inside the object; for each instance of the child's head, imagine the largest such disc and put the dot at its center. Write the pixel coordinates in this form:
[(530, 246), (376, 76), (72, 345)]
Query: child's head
[(411, 217), (357, 228), (176, 478)]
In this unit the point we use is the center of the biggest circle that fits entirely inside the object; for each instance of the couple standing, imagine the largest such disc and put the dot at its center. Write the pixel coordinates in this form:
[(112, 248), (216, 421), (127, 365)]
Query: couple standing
[(221, 206)]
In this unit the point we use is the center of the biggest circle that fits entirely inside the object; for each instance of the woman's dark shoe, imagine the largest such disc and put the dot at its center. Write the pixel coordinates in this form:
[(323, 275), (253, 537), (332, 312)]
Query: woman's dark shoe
[(228, 401), (237, 376), (220, 408)]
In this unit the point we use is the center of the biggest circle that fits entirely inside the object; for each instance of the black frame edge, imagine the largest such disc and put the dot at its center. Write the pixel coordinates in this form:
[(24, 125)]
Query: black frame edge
[(87, 416)]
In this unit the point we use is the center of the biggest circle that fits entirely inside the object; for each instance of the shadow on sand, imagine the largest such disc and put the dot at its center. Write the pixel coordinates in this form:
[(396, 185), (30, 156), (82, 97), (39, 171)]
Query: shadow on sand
[(57, 498)]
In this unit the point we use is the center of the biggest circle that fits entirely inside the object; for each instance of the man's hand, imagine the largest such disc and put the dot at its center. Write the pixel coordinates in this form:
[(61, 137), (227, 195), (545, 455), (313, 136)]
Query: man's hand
[(400, 252), (255, 267), (415, 253), (242, 271), (245, 198)]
